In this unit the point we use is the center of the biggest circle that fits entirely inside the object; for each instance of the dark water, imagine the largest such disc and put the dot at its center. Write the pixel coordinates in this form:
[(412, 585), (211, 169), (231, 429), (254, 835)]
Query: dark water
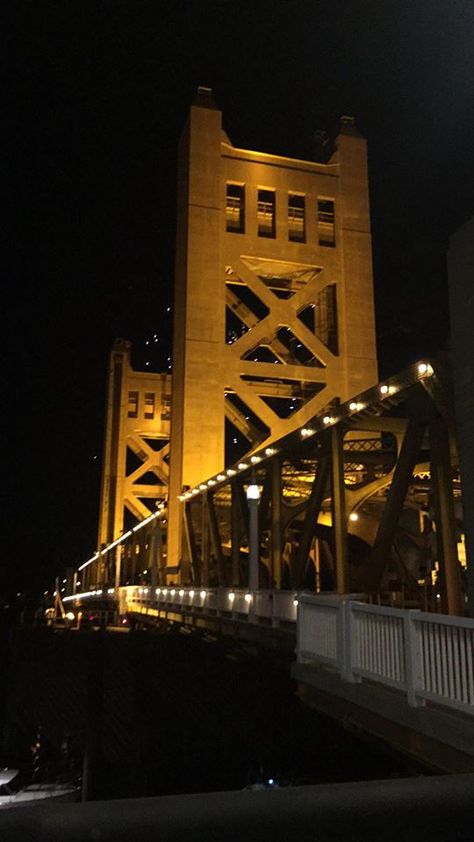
[(169, 713)]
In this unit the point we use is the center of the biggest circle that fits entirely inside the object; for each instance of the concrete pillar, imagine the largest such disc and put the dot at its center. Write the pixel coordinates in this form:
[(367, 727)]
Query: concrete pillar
[(197, 429), (356, 316)]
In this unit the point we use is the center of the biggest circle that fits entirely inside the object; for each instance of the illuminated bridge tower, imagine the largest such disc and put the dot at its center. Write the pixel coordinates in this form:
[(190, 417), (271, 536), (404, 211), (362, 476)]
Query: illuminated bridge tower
[(274, 316), (136, 444)]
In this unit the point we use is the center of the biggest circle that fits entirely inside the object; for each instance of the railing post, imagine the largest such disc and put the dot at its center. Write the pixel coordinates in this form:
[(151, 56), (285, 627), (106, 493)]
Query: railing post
[(275, 618), (410, 645), (347, 632)]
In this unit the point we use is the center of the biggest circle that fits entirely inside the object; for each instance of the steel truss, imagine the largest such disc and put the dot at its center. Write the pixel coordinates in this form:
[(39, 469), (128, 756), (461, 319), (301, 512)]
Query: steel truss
[(333, 499)]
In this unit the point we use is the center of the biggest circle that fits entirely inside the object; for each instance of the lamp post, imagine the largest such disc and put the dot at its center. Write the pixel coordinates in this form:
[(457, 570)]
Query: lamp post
[(253, 496)]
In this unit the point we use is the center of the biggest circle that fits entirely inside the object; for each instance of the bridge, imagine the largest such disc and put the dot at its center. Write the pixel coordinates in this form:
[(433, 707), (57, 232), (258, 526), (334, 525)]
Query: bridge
[(273, 487), (385, 659)]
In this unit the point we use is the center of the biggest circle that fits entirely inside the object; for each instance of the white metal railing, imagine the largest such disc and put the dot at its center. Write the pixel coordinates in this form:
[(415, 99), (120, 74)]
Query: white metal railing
[(428, 656), (271, 606)]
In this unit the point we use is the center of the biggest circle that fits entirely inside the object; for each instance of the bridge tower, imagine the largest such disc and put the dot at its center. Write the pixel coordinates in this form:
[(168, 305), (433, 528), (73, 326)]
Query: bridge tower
[(273, 315), (136, 443)]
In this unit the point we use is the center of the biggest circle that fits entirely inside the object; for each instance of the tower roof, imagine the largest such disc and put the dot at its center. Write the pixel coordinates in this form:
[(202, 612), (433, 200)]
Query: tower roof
[(204, 98)]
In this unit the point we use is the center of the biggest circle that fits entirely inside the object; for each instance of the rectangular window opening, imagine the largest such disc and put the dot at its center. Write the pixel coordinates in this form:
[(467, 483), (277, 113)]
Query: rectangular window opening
[(235, 208), (133, 404), (149, 404), (296, 218), (166, 407), (266, 213), (326, 223)]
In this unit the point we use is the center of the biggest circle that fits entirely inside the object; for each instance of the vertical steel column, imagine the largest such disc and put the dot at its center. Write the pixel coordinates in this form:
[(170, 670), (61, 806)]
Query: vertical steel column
[(118, 566), (235, 535), (133, 564), (154, 555), (216, 542), (204, 539), (444, 511), (276, 522), (339, 509), (254, 548)]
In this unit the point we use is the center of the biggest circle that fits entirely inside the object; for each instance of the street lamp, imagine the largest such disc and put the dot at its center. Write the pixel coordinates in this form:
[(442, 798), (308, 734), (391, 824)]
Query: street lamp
[(253, 496)]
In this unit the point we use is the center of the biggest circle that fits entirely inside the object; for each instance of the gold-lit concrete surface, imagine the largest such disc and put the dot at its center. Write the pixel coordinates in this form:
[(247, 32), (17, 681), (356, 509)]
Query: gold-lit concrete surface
[(273, 295), (137, 422)]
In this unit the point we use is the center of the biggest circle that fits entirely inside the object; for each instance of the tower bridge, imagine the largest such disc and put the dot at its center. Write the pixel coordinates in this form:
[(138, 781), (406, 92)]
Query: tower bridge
[(344, 484)]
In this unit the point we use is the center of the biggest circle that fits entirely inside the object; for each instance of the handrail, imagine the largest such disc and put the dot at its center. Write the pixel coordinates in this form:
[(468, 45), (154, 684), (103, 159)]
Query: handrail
[(428, 656)]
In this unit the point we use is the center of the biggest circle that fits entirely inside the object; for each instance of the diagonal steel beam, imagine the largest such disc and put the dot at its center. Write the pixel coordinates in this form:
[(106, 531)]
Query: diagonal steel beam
[(191, 542), (402, 478), (318, 493)]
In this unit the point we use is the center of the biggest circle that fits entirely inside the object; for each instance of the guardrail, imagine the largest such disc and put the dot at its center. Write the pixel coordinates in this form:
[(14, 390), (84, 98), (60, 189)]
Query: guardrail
[(429, 656), (265, 606)]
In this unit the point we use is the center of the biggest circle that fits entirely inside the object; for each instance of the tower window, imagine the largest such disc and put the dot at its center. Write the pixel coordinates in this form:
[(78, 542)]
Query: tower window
[(235, 208), (166, 407), (326, 226), (149, 404), (296, 218), (133, 404), (266, 213)]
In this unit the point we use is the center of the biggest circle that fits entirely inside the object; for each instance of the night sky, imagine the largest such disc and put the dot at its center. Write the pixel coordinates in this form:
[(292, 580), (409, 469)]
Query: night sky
[(98, 96)]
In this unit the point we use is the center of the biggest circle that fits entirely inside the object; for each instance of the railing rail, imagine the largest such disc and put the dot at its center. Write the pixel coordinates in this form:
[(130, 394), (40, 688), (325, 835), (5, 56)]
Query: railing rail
[(428, 656), (266, 606)]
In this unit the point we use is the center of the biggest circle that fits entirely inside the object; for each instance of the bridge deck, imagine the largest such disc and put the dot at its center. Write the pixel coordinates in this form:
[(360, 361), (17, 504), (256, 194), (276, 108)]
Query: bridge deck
[(443, 740)]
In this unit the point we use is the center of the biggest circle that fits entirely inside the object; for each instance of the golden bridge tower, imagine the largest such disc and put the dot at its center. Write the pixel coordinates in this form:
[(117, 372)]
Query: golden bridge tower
[(136, 445), (273, 315)]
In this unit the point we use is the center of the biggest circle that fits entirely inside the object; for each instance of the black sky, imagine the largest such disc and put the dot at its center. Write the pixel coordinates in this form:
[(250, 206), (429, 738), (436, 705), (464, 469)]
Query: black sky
[(99, 94)]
